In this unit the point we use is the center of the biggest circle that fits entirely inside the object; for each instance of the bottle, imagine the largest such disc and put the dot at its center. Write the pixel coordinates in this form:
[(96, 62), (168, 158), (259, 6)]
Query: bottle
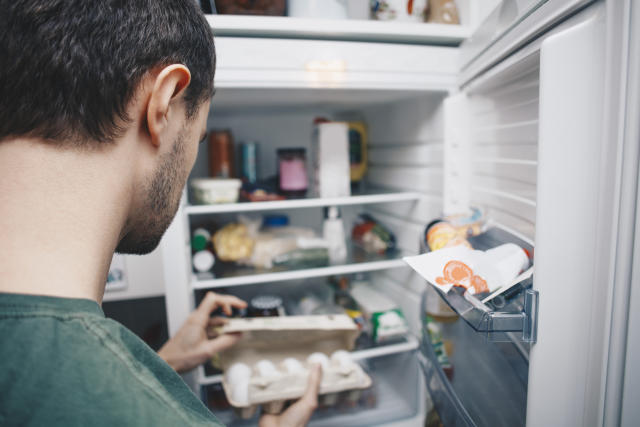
[(333, 233), (221, 154), (249, 162)]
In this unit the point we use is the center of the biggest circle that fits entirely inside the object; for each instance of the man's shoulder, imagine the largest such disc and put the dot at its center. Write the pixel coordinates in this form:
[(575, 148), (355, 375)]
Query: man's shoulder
[(86, 367)]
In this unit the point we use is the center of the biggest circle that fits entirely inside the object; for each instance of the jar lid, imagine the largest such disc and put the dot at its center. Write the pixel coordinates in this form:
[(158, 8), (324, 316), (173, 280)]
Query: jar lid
[(266, 302), (216, 183), (292, 151)]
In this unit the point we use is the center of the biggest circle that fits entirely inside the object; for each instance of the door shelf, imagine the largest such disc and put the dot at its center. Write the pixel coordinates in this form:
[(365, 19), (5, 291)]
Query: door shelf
[(411, 343), (358, 262), (361, 199), (485, 382), (513, 312), (334, 29)]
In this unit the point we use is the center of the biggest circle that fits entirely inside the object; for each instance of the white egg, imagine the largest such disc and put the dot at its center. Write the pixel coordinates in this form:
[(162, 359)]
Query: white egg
[(292, 366), (237, 373), (240, 393), (266, 368), (341, 358), (320, 358)]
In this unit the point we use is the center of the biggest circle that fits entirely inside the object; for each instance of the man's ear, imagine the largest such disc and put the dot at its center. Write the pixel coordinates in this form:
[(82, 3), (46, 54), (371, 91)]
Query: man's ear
[(169, 85)]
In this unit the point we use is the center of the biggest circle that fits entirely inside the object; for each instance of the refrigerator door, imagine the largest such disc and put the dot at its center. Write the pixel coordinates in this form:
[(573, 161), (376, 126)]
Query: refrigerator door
[(508, 28), (536, 160)]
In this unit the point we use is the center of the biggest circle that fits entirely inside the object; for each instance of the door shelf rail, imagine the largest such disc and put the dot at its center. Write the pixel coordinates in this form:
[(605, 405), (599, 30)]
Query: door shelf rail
[(521, 315)]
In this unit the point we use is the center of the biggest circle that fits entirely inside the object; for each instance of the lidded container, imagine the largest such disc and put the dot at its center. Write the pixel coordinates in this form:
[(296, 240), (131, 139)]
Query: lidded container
[(292, 172), (215, 190)]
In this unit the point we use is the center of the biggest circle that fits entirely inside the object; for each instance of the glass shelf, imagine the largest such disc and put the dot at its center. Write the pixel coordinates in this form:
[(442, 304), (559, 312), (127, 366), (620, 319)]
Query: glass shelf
[(356, 199), (358, 261)]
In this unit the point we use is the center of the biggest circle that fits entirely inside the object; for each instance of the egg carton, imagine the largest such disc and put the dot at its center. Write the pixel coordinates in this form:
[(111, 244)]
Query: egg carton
[(270, 364)]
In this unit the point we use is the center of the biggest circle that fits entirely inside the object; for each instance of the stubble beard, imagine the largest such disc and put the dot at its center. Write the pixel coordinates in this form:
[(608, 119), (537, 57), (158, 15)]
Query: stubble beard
[(146, 229)]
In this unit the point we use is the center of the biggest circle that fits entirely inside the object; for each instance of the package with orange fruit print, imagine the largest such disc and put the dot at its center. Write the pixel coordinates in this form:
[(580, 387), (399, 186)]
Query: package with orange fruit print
[(484, 274)]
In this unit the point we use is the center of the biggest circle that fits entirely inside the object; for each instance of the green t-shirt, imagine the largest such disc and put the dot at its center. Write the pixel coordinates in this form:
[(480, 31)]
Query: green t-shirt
[(64, 364)]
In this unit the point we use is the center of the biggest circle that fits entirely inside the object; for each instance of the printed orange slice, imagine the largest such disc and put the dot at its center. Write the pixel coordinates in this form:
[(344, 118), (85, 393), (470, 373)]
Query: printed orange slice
[(440, 281), (479, 284), (456, 271)]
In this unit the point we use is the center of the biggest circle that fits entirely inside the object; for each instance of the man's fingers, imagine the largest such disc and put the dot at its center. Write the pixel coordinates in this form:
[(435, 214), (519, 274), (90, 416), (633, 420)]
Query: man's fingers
[(212, 301), (221, 343), (214, 324)]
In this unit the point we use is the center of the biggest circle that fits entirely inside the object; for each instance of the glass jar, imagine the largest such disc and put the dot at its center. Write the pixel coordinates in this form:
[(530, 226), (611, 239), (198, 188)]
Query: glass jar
[(292, 172)]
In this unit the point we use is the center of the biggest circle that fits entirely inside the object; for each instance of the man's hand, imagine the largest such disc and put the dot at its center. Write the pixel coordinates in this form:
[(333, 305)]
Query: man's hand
[(298, 414), (195, 342)]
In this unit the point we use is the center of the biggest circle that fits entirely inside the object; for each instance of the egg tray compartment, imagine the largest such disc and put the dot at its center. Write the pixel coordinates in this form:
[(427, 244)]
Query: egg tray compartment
[(278, 338), (272, 393)]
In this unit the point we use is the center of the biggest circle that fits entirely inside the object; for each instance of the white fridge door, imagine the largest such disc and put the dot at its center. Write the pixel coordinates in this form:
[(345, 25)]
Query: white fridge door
[(574, 172), (572, 225)]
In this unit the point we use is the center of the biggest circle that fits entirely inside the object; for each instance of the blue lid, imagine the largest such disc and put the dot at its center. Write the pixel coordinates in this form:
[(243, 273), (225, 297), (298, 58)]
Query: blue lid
[(275, 221)]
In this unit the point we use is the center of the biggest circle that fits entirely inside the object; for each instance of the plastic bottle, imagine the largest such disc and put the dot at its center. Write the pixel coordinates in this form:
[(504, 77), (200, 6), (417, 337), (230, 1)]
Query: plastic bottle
[(333, 233)]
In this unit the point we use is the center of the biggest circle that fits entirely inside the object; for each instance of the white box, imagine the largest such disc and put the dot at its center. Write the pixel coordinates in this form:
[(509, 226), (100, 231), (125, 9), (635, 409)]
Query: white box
[(331, 169)]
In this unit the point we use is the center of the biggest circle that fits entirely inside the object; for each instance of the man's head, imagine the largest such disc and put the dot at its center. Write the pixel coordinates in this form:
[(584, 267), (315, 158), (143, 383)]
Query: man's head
[(84, 76)]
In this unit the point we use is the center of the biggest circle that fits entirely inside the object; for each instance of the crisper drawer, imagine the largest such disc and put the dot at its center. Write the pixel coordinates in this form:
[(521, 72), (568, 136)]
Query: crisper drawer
[(484, 383), (392, 397), (284, 63)]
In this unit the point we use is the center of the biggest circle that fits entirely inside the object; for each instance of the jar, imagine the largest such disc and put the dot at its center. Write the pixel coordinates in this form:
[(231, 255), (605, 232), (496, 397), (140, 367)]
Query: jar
[(266, 306), (292, 172), (221, 154)]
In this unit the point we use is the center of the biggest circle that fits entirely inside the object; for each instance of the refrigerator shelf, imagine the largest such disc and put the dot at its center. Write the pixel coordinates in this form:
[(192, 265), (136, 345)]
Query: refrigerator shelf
[(358, 199), (410, 344), (336, 29), (357, 262)]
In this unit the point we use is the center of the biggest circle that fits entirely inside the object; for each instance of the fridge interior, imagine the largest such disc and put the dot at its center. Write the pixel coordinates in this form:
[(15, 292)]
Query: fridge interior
[(492, 167)]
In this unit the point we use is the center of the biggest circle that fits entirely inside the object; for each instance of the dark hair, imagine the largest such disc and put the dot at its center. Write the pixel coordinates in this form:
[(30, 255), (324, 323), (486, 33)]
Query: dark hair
[(69, 68)]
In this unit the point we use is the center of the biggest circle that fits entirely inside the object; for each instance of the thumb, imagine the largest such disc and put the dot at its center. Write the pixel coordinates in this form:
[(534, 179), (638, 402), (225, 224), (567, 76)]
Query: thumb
[(300, 412), (221, 343), (310, 395)]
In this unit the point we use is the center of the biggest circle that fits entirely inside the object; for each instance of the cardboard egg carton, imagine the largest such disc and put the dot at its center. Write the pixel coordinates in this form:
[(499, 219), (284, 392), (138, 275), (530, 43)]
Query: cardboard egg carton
[(269, 365)]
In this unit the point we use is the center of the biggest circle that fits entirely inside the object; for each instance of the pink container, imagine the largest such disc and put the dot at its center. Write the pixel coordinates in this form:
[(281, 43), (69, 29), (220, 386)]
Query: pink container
[(292, 170)]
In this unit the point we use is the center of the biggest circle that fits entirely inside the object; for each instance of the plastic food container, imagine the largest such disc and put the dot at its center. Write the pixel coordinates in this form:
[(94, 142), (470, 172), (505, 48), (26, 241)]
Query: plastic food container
[(215, 190)]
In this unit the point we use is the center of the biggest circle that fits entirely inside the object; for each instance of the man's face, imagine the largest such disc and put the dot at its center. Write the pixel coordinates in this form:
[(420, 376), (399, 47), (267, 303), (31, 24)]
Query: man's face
[(163, 190)]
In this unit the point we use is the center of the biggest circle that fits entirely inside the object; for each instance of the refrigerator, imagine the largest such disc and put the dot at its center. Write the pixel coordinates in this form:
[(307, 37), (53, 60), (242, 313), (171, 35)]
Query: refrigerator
[(527, 115)]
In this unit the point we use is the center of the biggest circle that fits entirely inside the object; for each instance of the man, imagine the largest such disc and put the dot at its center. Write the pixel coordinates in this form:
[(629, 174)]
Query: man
[(102, 105)]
